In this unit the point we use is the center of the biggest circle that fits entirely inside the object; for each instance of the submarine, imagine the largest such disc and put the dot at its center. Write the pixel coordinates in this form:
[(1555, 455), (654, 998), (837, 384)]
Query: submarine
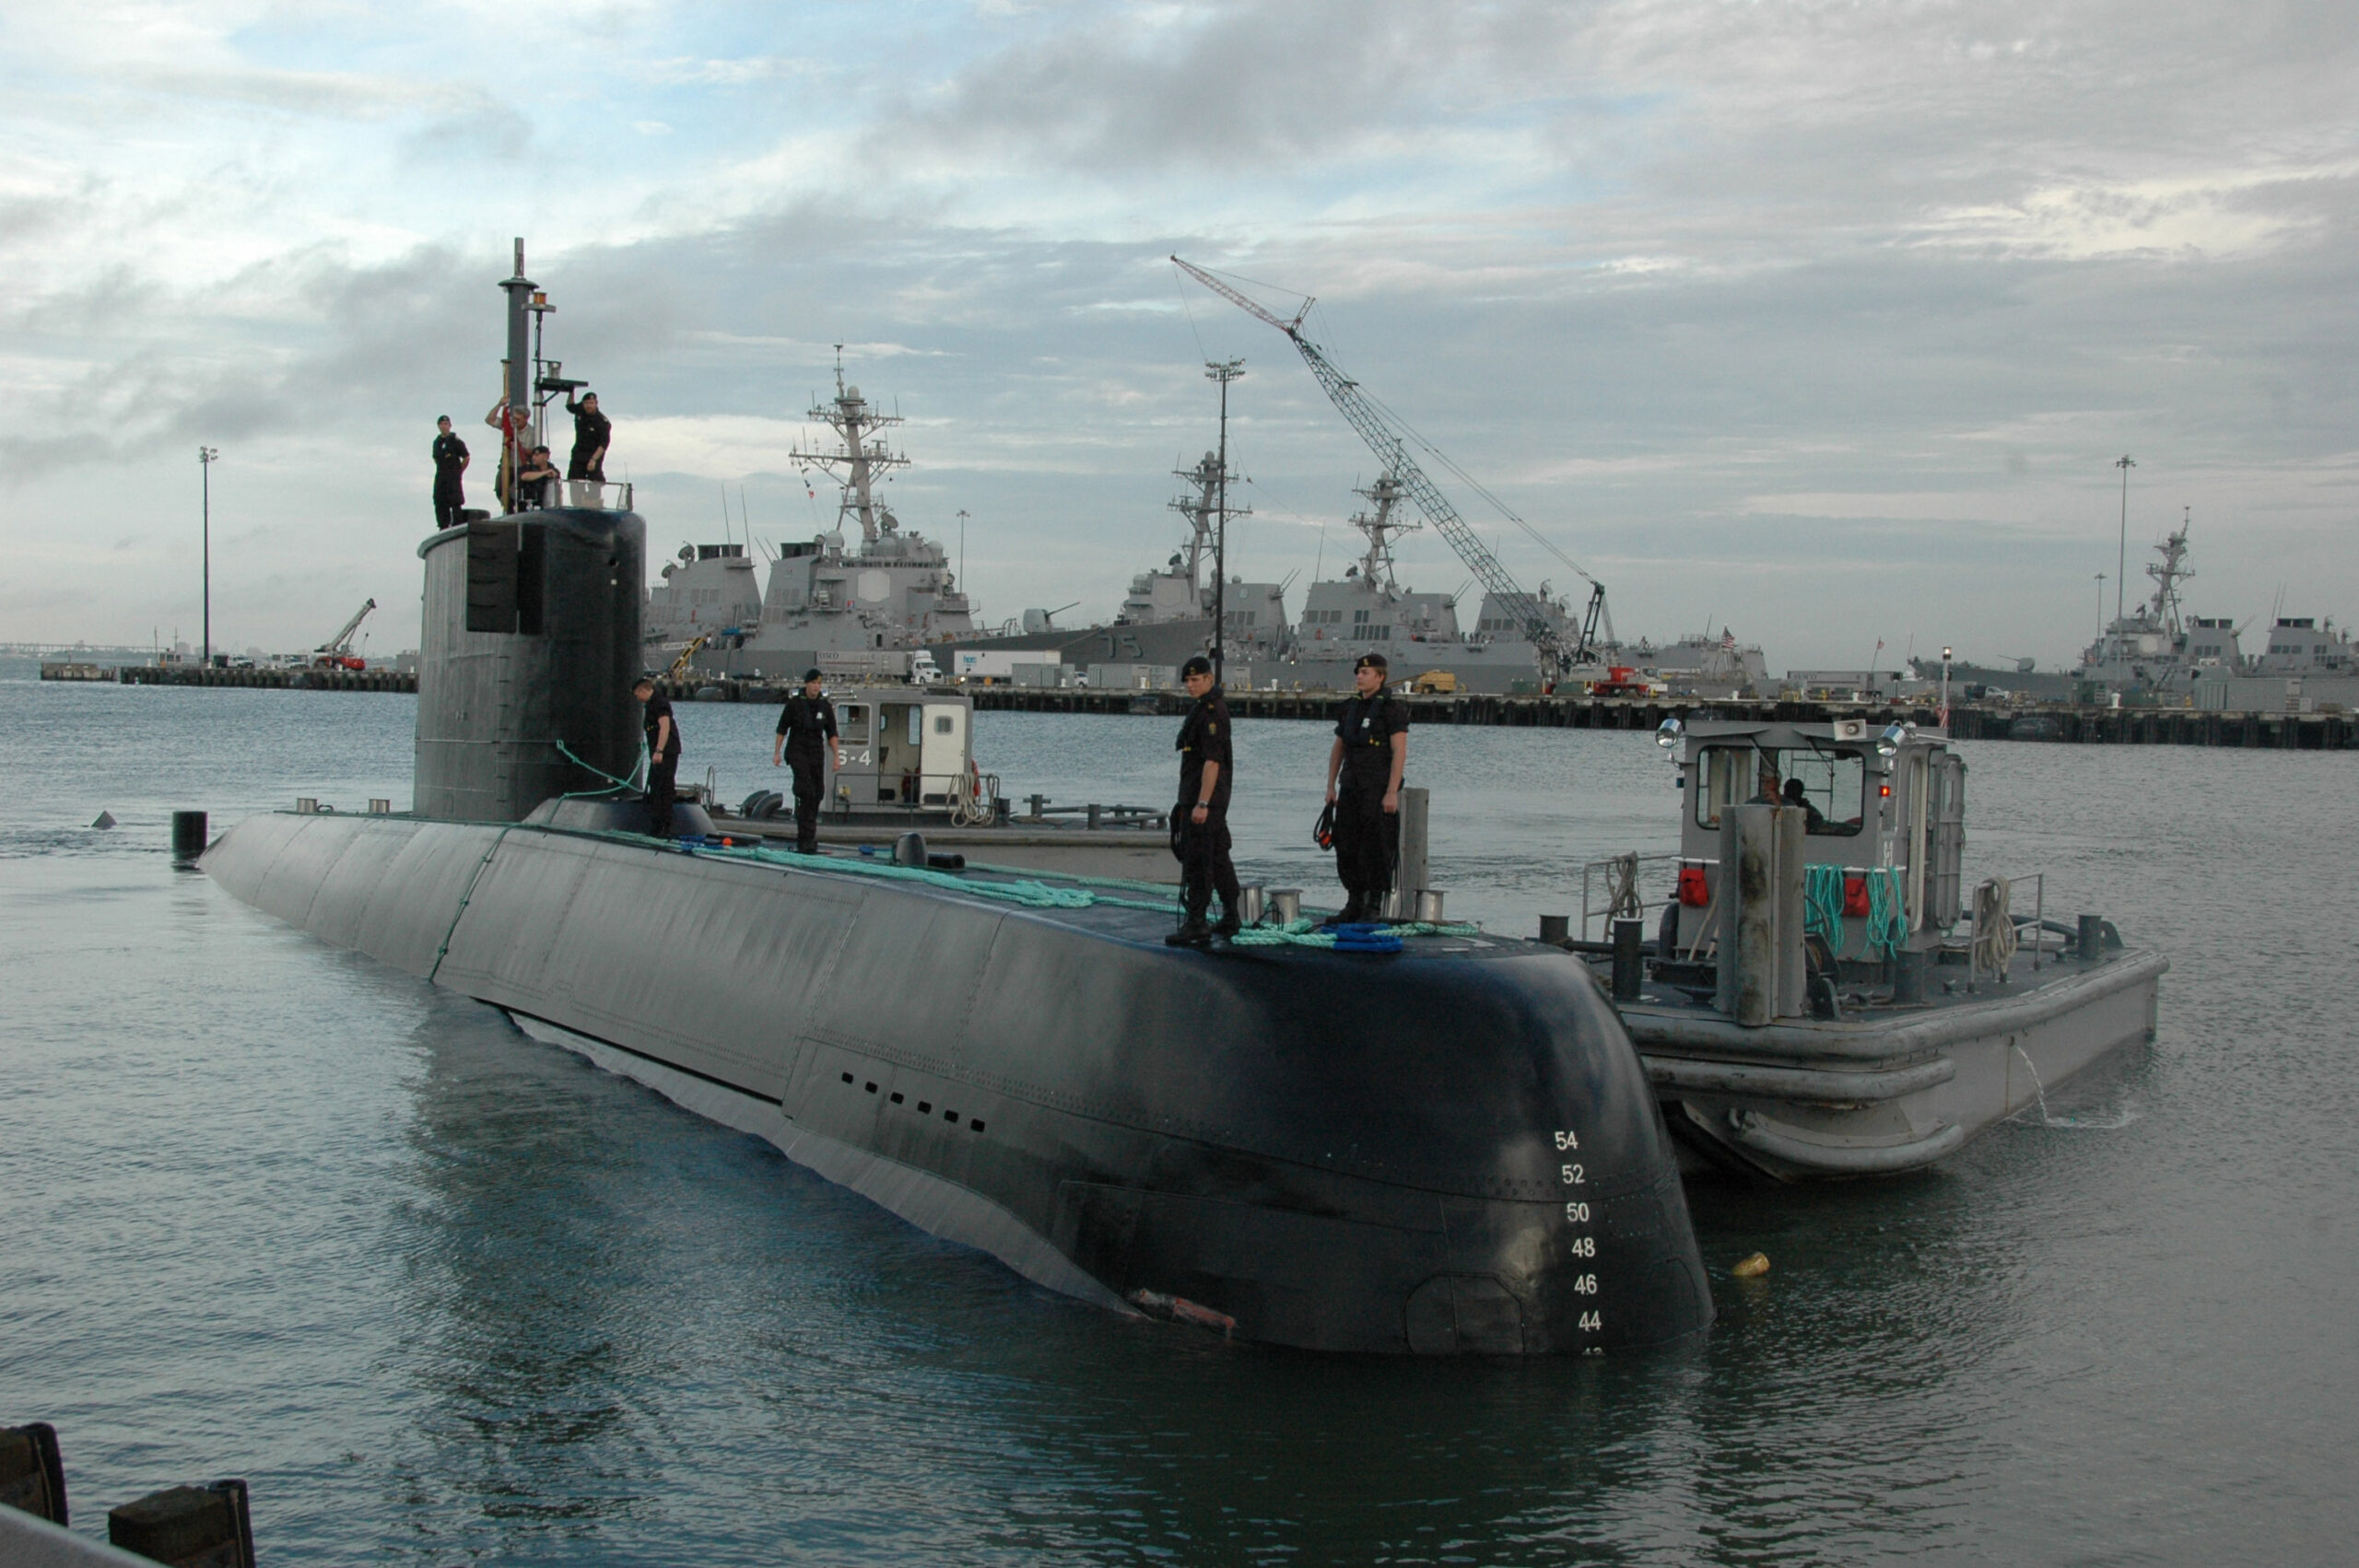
[(1449, 1147)]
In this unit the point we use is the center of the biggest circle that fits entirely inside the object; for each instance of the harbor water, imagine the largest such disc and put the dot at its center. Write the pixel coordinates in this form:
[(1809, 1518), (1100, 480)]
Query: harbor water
[(443, 1294)]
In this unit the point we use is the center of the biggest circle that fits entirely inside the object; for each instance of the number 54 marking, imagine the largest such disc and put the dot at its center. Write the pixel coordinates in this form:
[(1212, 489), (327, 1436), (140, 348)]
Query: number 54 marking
[(1568, 1141)]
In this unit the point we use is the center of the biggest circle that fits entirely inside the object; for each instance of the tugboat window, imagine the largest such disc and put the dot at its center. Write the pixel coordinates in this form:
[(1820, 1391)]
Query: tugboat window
[(1833, 784)]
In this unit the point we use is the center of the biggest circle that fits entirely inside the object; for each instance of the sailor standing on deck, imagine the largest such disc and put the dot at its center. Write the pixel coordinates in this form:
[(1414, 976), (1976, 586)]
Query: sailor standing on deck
[(662, 755), (1371, 749), (1200, 817), (449, 463), (806, 717), (591, 435)]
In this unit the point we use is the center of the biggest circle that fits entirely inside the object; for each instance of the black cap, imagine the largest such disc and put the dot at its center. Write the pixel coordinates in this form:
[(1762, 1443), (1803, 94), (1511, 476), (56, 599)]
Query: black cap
[(1372, 661), (810, 675), (1197, 665)]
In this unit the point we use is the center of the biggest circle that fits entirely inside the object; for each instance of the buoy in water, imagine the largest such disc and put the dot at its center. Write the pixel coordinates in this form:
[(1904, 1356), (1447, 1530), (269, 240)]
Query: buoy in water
[(1752, 1268), (106, 819)]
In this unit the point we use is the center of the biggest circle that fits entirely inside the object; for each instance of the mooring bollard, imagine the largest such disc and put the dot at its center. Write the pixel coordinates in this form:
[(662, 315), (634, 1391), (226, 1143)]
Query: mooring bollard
[(32, 1477), (1629, 965), (188, 836), (1908, 977), (2090, 944), (1555, 929), (188, 1525)]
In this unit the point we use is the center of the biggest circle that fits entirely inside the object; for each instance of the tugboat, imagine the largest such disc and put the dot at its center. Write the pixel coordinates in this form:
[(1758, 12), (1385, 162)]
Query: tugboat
[(1413, 1139), (1820, 998)]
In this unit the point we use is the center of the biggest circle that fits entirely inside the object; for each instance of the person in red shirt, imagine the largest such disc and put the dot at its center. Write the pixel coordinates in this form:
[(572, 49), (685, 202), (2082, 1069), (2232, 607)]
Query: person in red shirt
[(516, 439)]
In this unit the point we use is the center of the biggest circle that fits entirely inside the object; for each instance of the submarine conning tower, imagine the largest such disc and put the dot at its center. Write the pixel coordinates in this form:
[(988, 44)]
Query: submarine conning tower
[(529, 635), (528, 646)]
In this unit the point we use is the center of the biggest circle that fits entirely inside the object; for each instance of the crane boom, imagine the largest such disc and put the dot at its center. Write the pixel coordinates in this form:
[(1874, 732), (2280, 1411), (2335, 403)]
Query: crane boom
[(342, 642), (1527, 609)]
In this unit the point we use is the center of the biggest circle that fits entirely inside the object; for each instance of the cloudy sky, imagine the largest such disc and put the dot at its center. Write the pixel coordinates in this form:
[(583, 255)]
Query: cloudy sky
[(1822, 322)]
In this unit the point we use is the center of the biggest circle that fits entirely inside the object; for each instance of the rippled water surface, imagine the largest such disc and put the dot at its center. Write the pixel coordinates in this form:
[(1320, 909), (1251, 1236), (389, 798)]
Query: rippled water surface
[(445, 1295)]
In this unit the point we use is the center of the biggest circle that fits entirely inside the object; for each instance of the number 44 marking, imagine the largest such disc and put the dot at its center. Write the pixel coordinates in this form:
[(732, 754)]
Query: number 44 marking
[(1591, 1322)]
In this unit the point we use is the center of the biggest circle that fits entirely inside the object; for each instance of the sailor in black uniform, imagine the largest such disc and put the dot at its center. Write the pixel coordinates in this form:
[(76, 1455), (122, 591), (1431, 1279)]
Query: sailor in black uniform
[(1200, 817), (662, 755), (593, 433), (806, 717), (1371, 750), (449, 463)]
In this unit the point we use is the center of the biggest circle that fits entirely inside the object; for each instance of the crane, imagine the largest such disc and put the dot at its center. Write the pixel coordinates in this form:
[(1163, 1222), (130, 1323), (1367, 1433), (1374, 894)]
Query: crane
[(687, 657), (336, 652), (1526, 609)]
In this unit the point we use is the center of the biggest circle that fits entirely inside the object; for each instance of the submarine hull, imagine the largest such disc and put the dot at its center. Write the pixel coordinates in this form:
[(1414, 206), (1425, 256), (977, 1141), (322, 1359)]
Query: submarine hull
[(1453, 1150)]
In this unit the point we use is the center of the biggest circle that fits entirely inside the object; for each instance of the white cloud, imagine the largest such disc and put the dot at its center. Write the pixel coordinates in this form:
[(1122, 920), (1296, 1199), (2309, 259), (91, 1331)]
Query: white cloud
[(1728, 299)]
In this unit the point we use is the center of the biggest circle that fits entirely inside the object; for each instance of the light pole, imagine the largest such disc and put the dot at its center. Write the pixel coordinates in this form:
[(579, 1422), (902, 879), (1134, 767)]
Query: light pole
[(1945, 691), (205, 457), (1222, 371), (962, 549), (2100, 606), (2121, 567)]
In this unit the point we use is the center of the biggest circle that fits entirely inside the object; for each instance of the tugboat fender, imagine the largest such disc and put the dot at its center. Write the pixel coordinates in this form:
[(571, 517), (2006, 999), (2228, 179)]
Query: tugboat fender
[(1803, 1085), (1845, 1159)]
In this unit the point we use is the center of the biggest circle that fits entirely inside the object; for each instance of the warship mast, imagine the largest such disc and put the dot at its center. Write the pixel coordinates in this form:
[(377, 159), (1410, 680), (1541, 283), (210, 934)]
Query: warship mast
[(1375, 566), (865, 457)]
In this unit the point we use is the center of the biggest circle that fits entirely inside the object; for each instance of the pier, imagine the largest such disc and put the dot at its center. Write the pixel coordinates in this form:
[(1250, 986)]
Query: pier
[(270, 677), (1969, 721), (2080, 726)]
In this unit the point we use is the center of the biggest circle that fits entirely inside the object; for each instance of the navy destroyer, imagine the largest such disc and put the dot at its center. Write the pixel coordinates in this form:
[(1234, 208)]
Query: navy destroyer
[(1413, 1139), (871, 599), (855, 599), (2153, 652)]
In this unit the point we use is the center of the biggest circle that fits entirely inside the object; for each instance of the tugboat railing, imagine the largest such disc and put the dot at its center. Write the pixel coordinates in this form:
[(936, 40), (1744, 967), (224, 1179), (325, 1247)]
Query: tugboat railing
[(1620, 876), (1993, 939)]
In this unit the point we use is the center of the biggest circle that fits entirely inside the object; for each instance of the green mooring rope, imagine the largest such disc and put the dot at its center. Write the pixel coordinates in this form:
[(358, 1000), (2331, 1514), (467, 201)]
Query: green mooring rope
[(1029, 891), (1303, 932), (613, 783), (1886, 926)]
